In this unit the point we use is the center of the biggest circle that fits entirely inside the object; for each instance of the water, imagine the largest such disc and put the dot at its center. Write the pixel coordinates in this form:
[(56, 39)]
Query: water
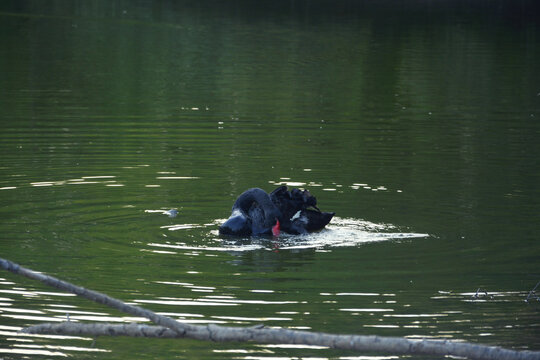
[(417, 123)]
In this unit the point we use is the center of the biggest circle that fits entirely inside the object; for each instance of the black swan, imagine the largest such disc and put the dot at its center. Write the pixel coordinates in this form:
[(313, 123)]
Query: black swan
[(256, 212)]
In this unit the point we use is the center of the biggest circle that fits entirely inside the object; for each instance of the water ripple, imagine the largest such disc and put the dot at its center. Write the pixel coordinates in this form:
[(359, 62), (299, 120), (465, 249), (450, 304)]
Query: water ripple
[(341, 232)]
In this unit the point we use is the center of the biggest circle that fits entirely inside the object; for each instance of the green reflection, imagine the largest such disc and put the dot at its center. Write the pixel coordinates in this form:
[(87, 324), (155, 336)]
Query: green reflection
[(417, 116)]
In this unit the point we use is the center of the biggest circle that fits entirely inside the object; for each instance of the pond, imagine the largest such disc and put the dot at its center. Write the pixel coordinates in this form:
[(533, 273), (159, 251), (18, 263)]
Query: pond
[(417, 123)]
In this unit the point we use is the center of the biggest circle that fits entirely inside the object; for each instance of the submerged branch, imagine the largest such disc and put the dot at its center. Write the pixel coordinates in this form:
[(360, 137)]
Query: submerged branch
[(532, 293), (257, 334)]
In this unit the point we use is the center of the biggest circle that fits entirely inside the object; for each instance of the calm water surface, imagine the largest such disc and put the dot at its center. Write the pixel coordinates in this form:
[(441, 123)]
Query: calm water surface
[(417, 123)]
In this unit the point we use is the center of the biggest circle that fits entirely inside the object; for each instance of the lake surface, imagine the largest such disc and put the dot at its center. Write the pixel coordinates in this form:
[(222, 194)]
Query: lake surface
[(417, 122)]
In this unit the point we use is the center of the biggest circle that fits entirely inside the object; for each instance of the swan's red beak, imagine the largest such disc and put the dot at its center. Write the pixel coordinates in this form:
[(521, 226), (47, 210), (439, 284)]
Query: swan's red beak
[(275, 228)]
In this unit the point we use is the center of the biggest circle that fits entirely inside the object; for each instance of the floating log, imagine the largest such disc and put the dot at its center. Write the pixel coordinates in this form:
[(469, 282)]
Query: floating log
[(258, 334), (168, 322)]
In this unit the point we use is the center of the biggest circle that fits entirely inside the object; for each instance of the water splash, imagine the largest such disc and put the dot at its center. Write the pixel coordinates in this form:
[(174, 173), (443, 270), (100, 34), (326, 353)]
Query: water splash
[(170, 213), (341, 232)]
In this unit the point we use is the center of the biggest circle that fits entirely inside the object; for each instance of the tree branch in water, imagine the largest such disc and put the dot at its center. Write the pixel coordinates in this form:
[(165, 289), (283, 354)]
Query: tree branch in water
[(263, 335), (257, 334)]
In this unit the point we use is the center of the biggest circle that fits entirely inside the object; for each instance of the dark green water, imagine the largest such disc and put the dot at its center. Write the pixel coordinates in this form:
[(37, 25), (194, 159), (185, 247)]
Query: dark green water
[(417, 122)]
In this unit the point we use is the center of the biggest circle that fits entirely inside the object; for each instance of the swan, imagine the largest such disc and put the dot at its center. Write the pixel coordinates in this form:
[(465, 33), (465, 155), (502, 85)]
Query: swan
[(255, 212)]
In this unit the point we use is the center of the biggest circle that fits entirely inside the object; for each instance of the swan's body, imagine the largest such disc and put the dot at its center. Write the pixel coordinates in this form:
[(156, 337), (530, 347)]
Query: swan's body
[(256, 212)]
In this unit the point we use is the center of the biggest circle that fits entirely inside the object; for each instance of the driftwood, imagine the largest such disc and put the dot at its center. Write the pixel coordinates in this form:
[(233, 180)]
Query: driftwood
[(102, 329), (258, 334), (168, 322)]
